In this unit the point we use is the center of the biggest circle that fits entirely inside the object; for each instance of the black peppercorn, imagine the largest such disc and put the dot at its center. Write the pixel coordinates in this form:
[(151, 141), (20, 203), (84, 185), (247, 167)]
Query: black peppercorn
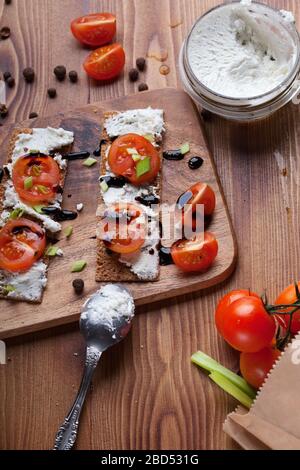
[(141, 63), (33, 115), (133, 75), (6, 76), (78, 285), (73, 76), (4, 32), (29, 74), (60, 72), (143, 87), (51, 92), (10, 82), (3, 111)]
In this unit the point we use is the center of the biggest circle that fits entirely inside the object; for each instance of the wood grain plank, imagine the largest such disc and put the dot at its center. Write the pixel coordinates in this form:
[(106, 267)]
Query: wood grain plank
[(43, 370)]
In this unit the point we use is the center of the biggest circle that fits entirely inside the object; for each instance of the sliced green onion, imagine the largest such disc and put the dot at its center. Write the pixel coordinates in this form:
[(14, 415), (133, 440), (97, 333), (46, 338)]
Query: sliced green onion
[(185, 148), (232, 389), (68, 231), (89, 162), (104, 186), (7, 289), (132, 151), (51, 251), (136, 157), (212, 366), (36, 170), (42, 189), (16, 214), (28, 182), (149, 137), (39, 209), (33, 151), (143, 166), (78, 266)]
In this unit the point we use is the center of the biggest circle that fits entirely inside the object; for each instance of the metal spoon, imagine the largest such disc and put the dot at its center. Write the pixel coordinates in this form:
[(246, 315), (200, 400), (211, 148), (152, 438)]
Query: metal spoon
[(99, 337)]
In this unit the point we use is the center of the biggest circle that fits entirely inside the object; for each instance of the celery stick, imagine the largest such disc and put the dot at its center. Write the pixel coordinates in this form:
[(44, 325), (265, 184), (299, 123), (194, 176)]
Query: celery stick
[(230, 388), (211, 365)]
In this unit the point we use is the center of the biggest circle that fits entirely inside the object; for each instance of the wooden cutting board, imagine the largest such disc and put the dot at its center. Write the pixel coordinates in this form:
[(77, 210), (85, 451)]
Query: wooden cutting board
[(60, 304)]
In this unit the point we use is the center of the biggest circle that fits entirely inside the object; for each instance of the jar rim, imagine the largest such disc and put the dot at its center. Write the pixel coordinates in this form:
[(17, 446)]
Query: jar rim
[(237, 101)]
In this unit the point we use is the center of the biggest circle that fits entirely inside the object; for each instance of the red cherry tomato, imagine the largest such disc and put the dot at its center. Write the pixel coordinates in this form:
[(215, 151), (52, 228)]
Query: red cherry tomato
[(288, 296), (200, 194), (122, 163), (43, 171), (247, 326), (256, 366), (105, 63), (22, 242), (195, 255), (124, 225), (95, 29), (227, 300)]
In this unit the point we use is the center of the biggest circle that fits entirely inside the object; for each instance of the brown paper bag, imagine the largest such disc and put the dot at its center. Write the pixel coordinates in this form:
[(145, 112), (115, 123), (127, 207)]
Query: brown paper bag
[(273, 422)]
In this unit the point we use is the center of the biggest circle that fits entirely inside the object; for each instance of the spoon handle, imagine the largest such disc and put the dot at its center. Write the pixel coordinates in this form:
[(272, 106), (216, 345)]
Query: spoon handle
[(67, 433)]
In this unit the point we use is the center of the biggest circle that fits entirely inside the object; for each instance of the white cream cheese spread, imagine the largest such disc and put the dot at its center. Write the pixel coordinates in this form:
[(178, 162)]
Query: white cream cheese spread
[(109, 304), (44, 140), (236, 52), (137, 121), (144, 263), (25, 286)]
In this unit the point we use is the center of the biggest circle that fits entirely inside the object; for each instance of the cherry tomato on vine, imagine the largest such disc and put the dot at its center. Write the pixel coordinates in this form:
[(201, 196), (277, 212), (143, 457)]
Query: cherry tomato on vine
[(227, 300), (247, 326), (256, 366), (288, 296)]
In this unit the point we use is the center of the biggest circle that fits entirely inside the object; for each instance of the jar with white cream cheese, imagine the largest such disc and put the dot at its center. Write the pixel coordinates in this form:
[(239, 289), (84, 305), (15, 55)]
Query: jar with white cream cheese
[(241, 60)]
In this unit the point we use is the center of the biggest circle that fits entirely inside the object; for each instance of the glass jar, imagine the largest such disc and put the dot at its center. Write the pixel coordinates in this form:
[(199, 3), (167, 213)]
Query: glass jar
[(255, 107)]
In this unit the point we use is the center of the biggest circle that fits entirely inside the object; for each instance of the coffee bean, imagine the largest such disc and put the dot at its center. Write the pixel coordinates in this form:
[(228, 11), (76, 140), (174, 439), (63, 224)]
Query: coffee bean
[(29, 74), (60, 72), (143, 87), (3, 111), (73, 76), (52, 92), (10, 82), (6, 75), (141, 63), (33, 115), (133, 75), (4, 32)]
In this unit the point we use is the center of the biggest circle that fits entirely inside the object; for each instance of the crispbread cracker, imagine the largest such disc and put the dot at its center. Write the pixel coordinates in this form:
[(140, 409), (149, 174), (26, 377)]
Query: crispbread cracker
[(108, 267), (10, 149)]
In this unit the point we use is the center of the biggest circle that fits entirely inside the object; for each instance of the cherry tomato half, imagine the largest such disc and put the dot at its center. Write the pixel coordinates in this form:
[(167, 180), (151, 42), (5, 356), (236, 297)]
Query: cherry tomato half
[(288, 296), (122, 163), (247, 326), (256, 366), (197, 254), (123, 228), (95, 29), (198, 194), (227, 300), (105, 63), (44, 175), (22, 242)]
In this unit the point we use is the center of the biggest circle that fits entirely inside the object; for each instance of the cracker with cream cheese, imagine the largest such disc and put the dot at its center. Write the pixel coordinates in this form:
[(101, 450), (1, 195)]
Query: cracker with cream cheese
[(142, 266), (29, 285)]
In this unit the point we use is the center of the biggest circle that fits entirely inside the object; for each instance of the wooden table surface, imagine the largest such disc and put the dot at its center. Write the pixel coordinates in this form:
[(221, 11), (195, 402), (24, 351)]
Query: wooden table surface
[(146, 394)]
